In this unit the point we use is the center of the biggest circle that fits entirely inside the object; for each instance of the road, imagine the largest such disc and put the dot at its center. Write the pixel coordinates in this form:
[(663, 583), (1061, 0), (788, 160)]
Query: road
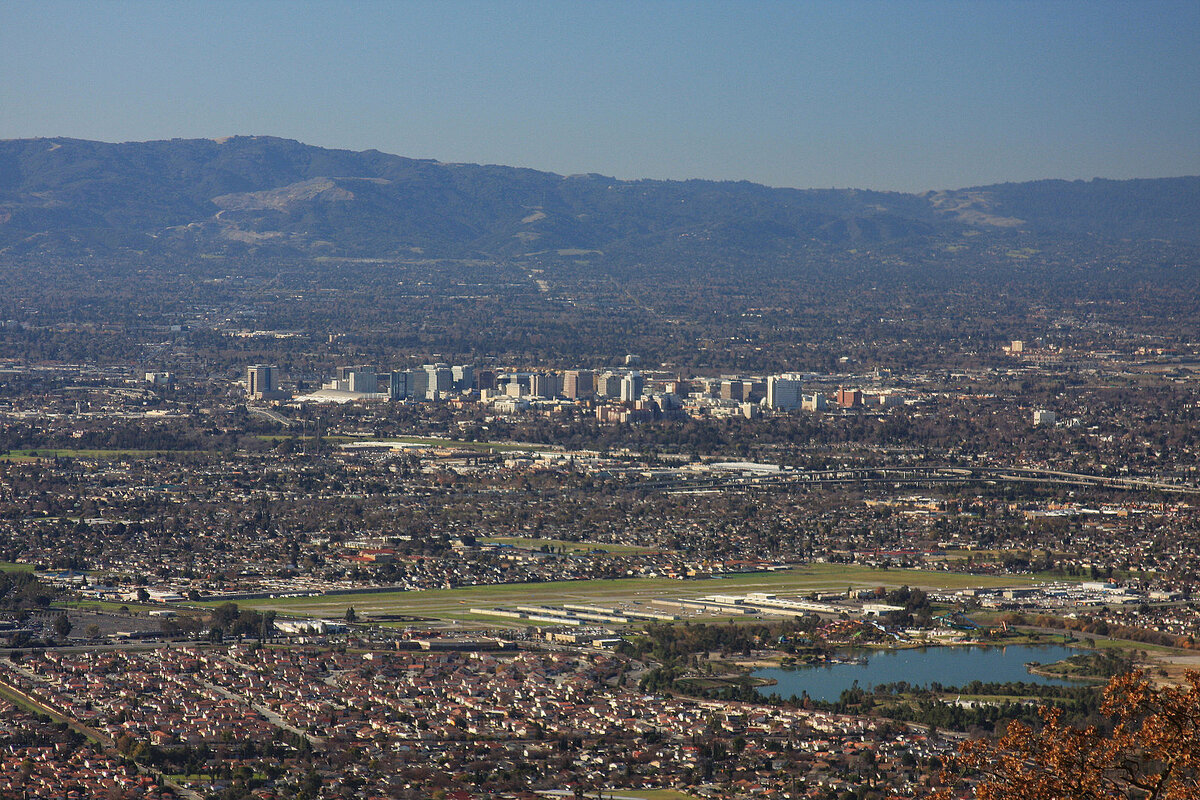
[(271, 716), (271, 415), (917, 476)]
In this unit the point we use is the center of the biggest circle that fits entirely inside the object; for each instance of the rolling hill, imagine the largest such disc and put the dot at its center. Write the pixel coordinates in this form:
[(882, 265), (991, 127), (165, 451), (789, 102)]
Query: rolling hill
[(268, 195)]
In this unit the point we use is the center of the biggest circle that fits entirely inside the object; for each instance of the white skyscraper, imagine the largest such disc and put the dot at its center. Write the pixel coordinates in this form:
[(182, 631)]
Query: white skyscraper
[(441, 380), (631, 387)]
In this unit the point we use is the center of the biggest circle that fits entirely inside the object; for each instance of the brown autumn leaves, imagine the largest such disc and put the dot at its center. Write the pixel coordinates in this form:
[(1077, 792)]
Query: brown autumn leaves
[(1151, 753)]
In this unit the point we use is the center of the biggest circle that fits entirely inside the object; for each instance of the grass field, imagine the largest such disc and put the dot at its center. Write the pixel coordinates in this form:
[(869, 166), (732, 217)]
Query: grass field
[(107, 605), (483, 447), (30, 455), (571, 547), (8, 566), (1130, 645), (22, 703), (455, 604)]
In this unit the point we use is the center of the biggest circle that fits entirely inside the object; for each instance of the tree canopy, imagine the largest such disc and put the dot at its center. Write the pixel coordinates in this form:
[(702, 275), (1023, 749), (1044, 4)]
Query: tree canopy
[(1150, 750)]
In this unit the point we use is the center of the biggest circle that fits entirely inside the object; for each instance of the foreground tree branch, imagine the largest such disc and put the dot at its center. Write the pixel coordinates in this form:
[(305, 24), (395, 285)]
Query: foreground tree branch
[(1152, 751)]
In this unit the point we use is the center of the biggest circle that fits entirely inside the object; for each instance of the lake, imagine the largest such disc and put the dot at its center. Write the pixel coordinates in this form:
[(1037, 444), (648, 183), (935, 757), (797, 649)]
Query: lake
[(949, 666)]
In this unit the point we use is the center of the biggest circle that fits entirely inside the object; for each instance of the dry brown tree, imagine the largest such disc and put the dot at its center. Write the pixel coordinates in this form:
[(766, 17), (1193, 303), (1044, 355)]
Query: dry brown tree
[(1152, 751)]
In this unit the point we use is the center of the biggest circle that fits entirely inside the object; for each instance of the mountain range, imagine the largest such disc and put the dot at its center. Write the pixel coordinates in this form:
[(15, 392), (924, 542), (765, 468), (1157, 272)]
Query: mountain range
[(258, 194)]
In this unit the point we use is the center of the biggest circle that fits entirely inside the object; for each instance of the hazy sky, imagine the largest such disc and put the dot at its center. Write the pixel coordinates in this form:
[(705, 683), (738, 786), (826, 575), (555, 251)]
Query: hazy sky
[(885, 95)]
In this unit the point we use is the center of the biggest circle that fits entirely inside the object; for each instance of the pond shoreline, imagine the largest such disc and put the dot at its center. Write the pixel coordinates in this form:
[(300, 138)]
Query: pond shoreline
[(944, 665)]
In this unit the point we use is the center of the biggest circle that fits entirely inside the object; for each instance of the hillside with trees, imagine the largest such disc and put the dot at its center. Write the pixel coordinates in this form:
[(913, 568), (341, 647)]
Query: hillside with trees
[(263, 194)]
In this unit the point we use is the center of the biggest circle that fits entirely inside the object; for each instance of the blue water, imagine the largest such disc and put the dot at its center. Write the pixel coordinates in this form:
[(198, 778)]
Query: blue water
[(949, 666)]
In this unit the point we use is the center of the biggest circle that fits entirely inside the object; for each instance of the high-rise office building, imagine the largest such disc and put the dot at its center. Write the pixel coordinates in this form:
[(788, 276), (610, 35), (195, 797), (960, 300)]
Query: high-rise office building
[(513, 384), (463, 377), (631, 387), (783, 393), (577, 384), (418, 384), (485, 379), (543, 384), (1044, 417), (849, 398), (260, 381), (814, 402), (732, 389), (440, 381), (344, 373), (397, 385), (363, 381), (608, 384)]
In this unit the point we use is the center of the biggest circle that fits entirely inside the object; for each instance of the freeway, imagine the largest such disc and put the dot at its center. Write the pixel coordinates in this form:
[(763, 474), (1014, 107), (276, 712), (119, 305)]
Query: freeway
[(272, 415), (916, 476)]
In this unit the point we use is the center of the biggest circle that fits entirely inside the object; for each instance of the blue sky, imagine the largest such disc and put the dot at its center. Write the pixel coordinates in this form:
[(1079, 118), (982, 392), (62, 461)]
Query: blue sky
[(883, 95)]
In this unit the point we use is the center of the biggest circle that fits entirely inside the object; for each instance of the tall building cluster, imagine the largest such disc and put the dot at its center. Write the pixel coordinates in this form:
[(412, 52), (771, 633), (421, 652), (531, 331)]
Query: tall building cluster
[(427, 382), (619, 394)]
